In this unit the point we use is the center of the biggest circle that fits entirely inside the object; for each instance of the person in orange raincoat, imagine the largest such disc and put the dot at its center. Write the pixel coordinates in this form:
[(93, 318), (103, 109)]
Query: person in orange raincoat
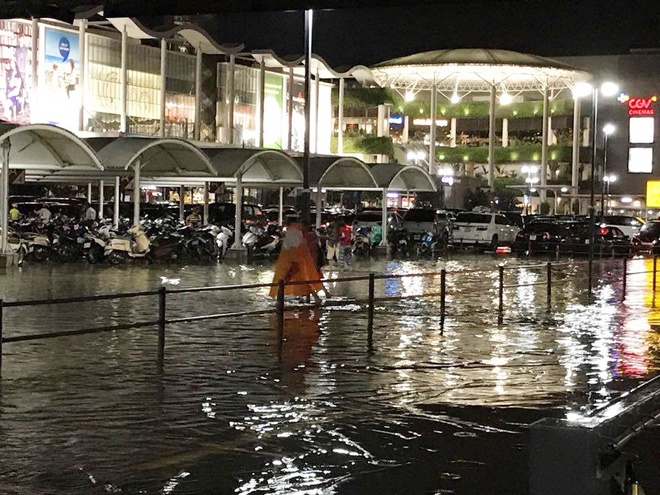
[(295, 264)]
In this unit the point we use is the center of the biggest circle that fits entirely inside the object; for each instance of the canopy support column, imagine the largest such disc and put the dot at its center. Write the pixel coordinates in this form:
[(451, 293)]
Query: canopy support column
[(383, 241), (304, 199), (289, 138), (115, 220), (261, 96), (123, 79), (491, 137), (136, 193), (89, 192), (543, 194), (101, 200), (163, 84), (35, 54), (280, 213), (4, 196), (575, 156), (82, 37), (182, 193), (238, 221), (340, 118), (317, 88), (319, 207), (434, 109), (206, 203), (198, 93)]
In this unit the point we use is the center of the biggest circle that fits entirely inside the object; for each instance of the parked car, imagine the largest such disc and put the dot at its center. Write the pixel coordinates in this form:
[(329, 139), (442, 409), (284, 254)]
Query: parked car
[(370, 217), (483, 229), (608, 240), (644, 240), (225, 213), (544, 236), (418, 221), (628, 225)]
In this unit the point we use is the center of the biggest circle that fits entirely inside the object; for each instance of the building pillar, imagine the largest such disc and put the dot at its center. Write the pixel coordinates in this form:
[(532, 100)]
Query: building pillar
[(340, 118), (379, 122), (575, 155), (123, 80), (82, 43), (317, 88), (136, 192), (197, 129), (383, 207), (4, 196), (115, 219), (89, 192), (319, 207), (289, 139), (452, 133), (101, 199), (434, 110), (261, 94), (491, 137), (238, 221), (543, 194), (35, 64), (505, 133), (230, 99), (406, 129)]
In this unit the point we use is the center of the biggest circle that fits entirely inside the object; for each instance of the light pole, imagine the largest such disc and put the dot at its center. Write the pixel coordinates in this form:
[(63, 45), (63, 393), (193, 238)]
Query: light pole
[(607, 89), (530, 181), (607, 130), (607, 179)]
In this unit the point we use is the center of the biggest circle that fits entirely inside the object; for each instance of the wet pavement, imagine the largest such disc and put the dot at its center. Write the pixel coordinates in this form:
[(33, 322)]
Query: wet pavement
[(418, 409)]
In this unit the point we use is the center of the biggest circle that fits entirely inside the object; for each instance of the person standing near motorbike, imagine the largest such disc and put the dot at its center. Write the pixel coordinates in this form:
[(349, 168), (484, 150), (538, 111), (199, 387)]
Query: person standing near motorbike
[(332, 241), (345, 243), (194, 219)]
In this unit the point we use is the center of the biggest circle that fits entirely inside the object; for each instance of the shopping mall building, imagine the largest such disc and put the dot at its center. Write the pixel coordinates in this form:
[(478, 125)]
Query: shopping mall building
[(505, 117)]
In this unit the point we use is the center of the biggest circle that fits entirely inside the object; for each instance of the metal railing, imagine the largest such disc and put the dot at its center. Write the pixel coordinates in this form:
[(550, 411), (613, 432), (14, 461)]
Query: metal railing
[(281, 307)]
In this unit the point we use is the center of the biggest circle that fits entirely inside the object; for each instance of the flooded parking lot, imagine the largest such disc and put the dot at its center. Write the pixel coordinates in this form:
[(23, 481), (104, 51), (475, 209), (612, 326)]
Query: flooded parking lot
[(444, 409)]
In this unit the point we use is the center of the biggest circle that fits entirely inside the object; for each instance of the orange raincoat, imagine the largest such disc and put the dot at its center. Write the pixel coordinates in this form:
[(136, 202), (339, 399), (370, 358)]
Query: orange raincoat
[(295, 264)]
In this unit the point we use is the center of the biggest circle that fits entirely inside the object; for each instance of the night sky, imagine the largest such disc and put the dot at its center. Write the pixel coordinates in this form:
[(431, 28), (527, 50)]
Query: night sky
[(346, 37)]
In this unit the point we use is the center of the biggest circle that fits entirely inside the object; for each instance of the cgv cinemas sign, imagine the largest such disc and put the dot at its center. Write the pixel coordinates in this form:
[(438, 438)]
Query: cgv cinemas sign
[(641, 106)]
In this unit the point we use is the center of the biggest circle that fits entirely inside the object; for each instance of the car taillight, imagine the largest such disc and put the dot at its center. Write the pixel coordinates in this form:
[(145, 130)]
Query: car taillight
[(603, 231), (548, 236), (636, 242)]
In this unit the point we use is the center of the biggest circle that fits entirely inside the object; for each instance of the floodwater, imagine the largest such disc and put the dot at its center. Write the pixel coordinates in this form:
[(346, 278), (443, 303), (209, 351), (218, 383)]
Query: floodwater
[(417, 409)]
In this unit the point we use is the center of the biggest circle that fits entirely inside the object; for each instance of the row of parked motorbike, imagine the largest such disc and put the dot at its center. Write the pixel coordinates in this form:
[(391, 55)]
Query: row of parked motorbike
[(162, 239)]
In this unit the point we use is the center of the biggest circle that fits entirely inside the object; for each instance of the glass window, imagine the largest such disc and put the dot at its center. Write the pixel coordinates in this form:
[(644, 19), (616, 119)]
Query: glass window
[(473, 218), (502, 220), (419, 215), (642, 130), (640, 160)]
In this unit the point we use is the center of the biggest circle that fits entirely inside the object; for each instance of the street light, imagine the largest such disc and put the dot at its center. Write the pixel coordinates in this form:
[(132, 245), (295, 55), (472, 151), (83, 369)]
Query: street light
[(607, 179), (530, 181), (607, 89), (607, 130)]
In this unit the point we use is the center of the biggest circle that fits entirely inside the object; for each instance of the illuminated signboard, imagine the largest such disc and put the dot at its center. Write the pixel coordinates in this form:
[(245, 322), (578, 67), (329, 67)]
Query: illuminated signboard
[(653, 194), (639, 106)]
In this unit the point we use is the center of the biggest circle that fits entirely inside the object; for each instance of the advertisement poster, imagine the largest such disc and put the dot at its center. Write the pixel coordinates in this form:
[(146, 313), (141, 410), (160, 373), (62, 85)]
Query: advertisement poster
[(61, 76), (16, 58), (273, 94)]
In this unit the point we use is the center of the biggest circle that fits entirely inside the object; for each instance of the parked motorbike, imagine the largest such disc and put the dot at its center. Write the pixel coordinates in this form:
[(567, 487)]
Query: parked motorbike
[(399, 242), (260, 244), (428, 244), (122, 249), (362, 242)]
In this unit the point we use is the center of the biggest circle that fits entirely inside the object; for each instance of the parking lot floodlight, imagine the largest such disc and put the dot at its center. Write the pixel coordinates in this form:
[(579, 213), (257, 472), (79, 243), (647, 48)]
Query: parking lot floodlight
[(609, 129), (609, 88), (582, 89), (410, 96)]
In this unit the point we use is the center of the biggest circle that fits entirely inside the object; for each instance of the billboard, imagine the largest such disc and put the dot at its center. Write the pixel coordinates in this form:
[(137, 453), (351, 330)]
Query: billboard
[(273, 112), (653, 194), (61, 76), (16, 66)]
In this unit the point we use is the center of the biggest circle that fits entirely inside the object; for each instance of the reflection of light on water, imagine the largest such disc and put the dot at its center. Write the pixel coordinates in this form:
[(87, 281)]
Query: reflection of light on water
[(524, 291), (174, 482)]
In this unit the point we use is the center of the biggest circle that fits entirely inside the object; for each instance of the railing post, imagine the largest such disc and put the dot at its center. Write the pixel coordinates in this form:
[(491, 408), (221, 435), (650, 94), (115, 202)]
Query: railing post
[(370, 309), (280, 311), (548, 269), (1, 320), (443, 298), (500, 311), (625, 278), (372, 284), (162, 294)]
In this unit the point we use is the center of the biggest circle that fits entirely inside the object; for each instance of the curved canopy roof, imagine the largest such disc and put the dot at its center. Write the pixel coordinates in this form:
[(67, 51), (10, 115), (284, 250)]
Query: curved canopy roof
[(475, 70), (338, 172), (398, 177), (167, 157), (254, 165), (46, 149)]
